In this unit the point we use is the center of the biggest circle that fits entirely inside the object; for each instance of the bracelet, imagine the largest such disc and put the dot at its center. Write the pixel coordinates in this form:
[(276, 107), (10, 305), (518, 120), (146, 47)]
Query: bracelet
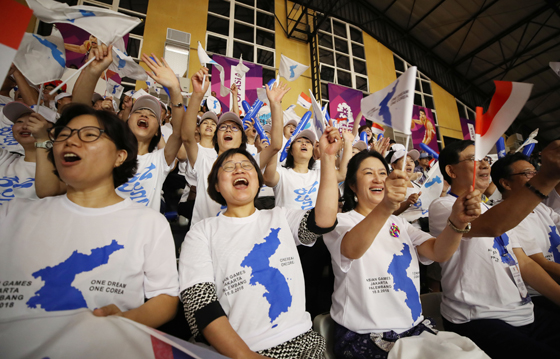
[(536, 191), (458, 230), (177, 105)]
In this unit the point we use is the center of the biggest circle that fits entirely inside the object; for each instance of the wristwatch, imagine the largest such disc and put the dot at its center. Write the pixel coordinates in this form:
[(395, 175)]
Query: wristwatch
[(466, 230), (47, 145)]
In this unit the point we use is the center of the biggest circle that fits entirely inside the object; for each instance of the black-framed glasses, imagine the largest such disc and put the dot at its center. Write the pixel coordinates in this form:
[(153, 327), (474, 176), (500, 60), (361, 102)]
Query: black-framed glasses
[(528, 174), (486, 159), (225, 127), (229, 166), (85, 134)]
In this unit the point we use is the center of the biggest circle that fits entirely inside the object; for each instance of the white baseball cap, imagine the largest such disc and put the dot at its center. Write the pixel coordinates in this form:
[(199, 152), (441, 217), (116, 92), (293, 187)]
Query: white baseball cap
[(15, 110), (400, 152)]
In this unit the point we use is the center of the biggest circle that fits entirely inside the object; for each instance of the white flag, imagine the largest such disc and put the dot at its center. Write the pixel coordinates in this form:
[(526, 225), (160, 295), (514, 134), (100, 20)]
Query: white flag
[(393, 105), (240, 68), (205, 60), (529, 140), (106, 25), (213, 105), (80, 334), (318, 122), (41, 59), (125, 66), (114, 89), (555, 66), (431, 188), (138, 94), (290, 69)]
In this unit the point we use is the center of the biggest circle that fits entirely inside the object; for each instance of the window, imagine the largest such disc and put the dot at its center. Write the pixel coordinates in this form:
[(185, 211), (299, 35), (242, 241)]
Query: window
[(465, 111), (422, 92), (341, 56), (243, 27)]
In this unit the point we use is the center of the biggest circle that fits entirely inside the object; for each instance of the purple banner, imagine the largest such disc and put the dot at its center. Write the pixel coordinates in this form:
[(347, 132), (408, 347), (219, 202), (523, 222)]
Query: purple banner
[(341, 101), (468, 129), (247, 85), (78, 43), (423, 128)]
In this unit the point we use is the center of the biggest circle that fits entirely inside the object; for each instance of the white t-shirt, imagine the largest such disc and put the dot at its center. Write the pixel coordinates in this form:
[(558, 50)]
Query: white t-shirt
[(251, 149), (254, 263), (57, 255), (296, 190), (476, 281), (17, 177), (7, 140), (553, 201), (145, 187), (204, 206), (166, 131), (538, 233), (380, 291)]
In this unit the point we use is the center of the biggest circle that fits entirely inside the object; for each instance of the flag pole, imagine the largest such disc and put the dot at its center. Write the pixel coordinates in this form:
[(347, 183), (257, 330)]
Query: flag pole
[(72, 76), (477, 124), (40, 97), (105, 95), (406, 149)]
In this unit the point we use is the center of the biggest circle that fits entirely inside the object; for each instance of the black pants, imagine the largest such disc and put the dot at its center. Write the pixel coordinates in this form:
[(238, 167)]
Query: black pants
[(541, 339)]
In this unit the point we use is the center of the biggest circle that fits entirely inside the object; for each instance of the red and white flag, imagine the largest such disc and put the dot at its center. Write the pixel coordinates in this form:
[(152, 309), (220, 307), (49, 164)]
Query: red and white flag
[(377, 129), (507, 102), (304, 101), (15, 18)]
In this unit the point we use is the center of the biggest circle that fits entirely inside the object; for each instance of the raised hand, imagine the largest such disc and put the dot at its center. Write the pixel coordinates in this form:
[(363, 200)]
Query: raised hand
[(413, 198), (103, 58), (395, 190), (107, 104), (381, 146), (234, 89), (550, 159), (466, 208), (329, 141), (39, 127), (127, 102), (347, 135), (276, 94), (196, 81), (161, 72)]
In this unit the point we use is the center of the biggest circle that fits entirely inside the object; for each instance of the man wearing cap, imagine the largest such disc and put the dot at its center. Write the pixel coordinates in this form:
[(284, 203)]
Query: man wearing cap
[(61, 101), (17, 172), (423, 166)]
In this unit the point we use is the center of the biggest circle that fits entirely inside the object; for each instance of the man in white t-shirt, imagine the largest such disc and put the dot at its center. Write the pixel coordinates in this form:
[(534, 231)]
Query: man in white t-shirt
[(538, 232), (484, 297)]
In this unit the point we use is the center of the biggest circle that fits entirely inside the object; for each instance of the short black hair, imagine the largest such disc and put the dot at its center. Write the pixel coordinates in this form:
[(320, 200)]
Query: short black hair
[(115, 129), (502, 168), (243, 145), (450, 156), (290, 158), (213, 176), (351, 176)]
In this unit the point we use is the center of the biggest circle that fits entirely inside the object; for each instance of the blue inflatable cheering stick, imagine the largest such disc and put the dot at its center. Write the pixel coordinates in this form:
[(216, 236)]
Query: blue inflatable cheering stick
[(428, 149), (300, 127)]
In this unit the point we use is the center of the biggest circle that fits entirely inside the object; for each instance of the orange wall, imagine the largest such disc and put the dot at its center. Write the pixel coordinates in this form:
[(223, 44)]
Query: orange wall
[(447, 113)]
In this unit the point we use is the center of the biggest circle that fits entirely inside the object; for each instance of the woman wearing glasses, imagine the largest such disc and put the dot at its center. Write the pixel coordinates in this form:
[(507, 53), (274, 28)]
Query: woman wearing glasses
[(145, 123), (229, 134), (89, 248), (241, 278)]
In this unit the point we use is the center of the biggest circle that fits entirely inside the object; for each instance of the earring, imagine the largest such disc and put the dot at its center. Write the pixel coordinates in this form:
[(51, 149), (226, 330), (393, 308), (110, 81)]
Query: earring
[(355, 198)]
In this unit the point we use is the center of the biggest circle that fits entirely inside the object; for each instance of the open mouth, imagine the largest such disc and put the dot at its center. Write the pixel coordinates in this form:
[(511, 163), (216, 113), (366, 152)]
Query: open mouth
[(228, 137), (240, 183), (142, 123), (376, 190), (485, 176), (71, 157), (304, 149), (25, 133)]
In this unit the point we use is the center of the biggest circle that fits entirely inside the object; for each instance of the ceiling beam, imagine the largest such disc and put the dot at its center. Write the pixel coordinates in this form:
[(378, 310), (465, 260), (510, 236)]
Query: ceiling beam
[(502, 34), (515, 56), (425, 16), (534, 73), (472, 18), (545, 92)]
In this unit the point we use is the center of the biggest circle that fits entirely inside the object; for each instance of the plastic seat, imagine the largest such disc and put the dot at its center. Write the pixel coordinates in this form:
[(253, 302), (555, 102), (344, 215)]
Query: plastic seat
[(431, 307), (324, 325)]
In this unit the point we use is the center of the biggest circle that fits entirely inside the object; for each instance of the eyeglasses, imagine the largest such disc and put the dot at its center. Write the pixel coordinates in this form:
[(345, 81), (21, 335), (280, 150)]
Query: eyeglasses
[(85, 134), (528, 174), (229, 166), (225, 127), (486, 159)]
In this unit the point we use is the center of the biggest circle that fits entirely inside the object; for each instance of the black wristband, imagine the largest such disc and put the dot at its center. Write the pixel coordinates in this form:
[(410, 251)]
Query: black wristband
[(535, 191)]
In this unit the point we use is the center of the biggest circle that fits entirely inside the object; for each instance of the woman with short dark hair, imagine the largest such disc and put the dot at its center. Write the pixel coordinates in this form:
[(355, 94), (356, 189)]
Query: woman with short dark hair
[(241, 278), (89, 248)]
